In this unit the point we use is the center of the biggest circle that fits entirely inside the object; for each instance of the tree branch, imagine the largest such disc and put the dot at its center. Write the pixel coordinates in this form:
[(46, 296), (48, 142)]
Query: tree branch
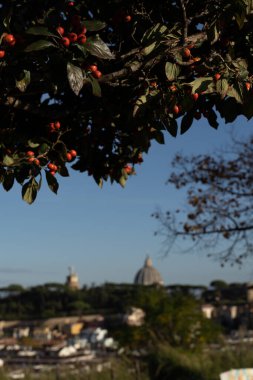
[(185, 21)]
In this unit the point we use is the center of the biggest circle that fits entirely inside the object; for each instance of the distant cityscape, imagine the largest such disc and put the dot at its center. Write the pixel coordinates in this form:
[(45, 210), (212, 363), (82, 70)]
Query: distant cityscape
[(69, 324)]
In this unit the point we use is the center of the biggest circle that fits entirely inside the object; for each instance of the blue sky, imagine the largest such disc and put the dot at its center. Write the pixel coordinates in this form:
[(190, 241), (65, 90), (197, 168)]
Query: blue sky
[(106, 234)]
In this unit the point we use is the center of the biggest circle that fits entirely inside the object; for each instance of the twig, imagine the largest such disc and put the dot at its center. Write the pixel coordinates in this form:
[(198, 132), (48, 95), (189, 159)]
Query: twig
[(185, 21)]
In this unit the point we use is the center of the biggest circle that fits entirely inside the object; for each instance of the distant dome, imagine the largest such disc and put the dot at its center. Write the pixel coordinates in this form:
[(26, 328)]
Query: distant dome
[(148, 275)]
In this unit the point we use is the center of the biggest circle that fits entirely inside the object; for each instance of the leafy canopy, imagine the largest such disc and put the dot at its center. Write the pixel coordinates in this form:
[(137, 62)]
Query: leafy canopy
[(93, 82)]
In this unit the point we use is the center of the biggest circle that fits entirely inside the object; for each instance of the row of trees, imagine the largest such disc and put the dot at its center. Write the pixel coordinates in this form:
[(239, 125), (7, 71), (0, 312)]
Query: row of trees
[(175, 318)]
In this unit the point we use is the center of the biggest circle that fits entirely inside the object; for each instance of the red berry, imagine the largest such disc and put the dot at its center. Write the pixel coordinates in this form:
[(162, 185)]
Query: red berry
[(71, 3), (187, 52), (128, 18), (217, 76), (176, 109), (57, 125), (97, 74), (36, 161), (128, 169), (60, 30), (195, 96), (52, 172), (50, 166), (30, 153), (248, 86), (9, 39), (72, 37), (73, 153), (69, 156), (93, 68), (81, 39), (31, 159), (2, 53), (65, 41)]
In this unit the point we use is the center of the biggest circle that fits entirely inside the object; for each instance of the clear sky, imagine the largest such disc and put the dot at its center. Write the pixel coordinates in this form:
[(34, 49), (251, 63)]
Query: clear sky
[(106, 234)]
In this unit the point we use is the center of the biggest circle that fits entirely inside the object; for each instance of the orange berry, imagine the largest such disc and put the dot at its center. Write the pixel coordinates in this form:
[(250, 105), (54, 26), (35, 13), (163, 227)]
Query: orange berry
[(9, 39), (128, 169), (30, 153), (128, 18), (195, 96), (57, 125), (2, 53), (65, 41), (248, 86), (92, 68), (73, 153), (97, 74), (69, 156), (52, 172), (81, 39), (60, 30), (187, 52), (72, 37), (176, 109), (36, 161), (217, 76)]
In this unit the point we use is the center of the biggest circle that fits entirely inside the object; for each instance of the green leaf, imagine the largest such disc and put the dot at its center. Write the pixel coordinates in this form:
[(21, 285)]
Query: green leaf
[(222, 86), (212, 119), (212, 33), (30, 190), (52, 182), (7, 160), (98, 48), (139, 102), (7, 19), (172, 71), (172, 126), (40, 31), (229, 109), (60, 148), (96, 89), (148, 49), (32, 144), (24, 82), (159, 137), (8, 181), (236, 92), (94, 25), (122, 181), (63, 171), (43, 148), (75, 78), (186, 122), (39, 45), (240, 18), (201, 84), (155, 33)]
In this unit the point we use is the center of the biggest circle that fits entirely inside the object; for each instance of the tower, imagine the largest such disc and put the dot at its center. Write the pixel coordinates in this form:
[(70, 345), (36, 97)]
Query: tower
[(72, 281)]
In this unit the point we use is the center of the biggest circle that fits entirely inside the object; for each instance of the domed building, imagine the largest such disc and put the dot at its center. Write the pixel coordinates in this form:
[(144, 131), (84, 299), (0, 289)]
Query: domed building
[(148, 275)]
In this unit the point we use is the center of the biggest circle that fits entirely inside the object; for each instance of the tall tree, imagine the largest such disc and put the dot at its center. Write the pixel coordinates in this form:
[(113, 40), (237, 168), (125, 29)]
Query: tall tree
[(219, 189), (93, 82)]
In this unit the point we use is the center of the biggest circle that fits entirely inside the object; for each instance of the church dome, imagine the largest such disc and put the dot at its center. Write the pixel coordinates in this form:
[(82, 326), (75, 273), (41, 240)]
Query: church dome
[(148, 275)]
